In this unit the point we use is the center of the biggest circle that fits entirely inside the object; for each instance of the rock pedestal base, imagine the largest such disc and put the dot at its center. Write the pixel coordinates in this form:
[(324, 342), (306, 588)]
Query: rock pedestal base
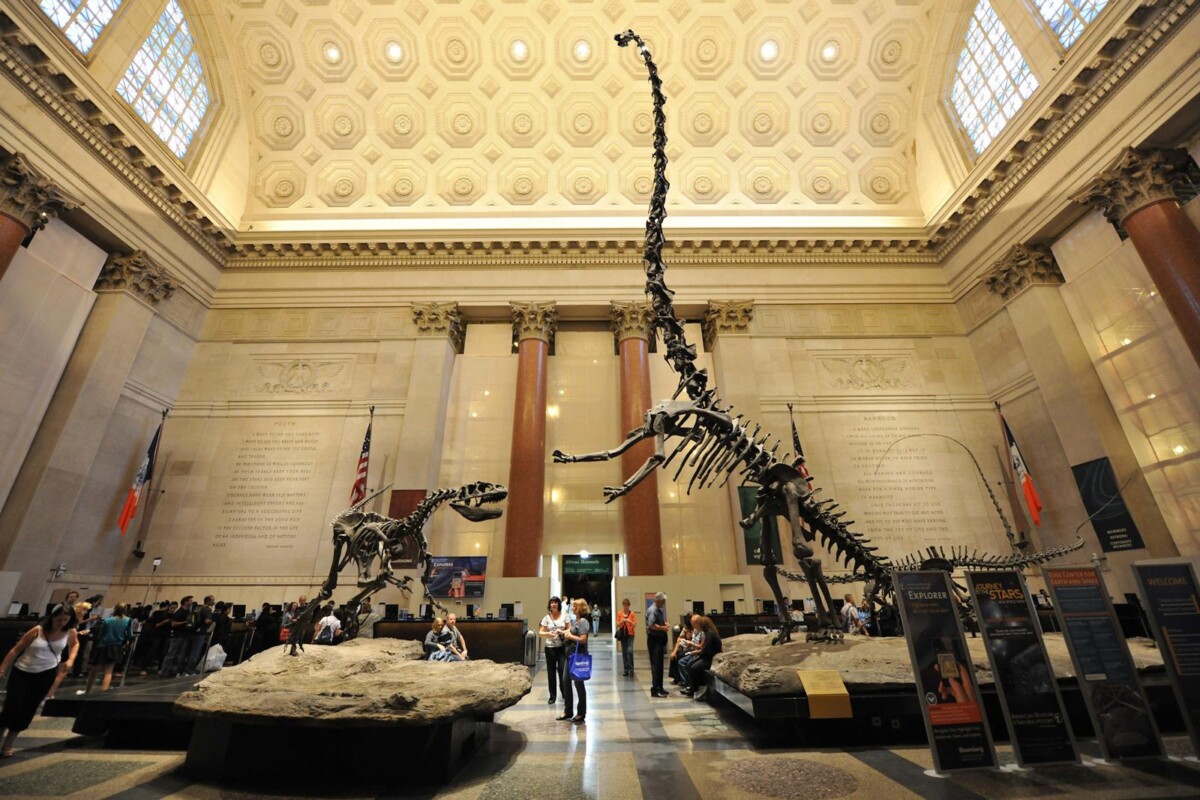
[(291, 755)]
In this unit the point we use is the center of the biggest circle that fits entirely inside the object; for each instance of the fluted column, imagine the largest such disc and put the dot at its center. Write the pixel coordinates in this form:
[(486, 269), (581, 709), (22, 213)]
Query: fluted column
[(633, 325), (1136, 193), (27, 201), (533, 328)]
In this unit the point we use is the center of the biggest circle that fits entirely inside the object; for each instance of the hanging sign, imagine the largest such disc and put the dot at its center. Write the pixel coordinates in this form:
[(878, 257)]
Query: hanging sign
[(1033, 708), (1107, 678), (1169, 589), (1106, 508), (945, 679), (747, 498)]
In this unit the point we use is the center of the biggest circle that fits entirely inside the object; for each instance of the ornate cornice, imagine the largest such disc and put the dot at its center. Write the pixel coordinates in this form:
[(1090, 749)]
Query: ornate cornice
[(137, 274), (27, 195), (726, 316), (1023, 265), (631, 319), (1135, 180), (534, 321), (1151, 23), (441, 319)]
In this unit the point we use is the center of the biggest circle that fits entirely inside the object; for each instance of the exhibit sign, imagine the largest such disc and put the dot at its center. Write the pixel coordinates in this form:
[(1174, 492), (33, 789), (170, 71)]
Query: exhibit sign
[(587, 566), (747, 499), (1025, 683), (1172, 598), (458, 576), (827, 695), (1106, 509), (1108, 680), (950, 704)]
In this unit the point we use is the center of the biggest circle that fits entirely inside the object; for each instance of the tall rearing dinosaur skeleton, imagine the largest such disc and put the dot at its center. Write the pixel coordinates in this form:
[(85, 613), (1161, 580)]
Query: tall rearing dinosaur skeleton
[(704, 435), (372, 542)]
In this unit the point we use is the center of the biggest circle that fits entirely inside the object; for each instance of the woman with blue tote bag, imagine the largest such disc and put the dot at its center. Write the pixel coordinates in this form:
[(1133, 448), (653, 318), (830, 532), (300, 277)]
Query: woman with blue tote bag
[(579, 664)]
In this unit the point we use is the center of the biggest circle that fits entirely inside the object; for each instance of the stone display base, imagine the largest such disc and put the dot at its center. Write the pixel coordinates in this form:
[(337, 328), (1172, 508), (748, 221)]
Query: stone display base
[(290, 754), (756, 669)]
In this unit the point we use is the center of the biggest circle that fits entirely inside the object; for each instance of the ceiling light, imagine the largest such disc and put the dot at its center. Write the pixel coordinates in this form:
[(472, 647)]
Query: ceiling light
[(769, 50), (333, 53), (486, 393), (1178, 449), (552, 412), (582, 50), (394, 52), (830, 51), (583, 554), (1151, 396), (555, 496), (519, 50), (1153, 294), (1126, 341)]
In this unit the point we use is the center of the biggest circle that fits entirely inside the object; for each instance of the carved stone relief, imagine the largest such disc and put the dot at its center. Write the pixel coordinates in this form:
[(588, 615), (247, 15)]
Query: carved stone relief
[(632, 319), (865, 371), (1023, 265), (1137, 179), (299, 376), (726, 316), (441, 319), (137, 274), (27, 195), (534, 321)]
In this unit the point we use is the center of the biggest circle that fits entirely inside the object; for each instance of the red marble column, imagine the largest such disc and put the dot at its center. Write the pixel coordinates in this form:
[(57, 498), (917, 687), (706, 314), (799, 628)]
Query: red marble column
[(27, 201), (524, 526), (1136, 192), (640, 523)]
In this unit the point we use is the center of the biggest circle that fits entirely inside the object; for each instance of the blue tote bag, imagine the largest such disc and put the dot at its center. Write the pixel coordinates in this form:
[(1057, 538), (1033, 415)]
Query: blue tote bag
[(579, 665)]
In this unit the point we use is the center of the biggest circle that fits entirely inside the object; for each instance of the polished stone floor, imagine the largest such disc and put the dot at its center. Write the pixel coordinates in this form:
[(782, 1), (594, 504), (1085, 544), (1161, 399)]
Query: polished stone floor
[(630, 747)]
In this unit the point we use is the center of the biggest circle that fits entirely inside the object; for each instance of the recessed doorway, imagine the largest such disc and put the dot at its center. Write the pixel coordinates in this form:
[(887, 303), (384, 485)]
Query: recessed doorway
[(590, 576)]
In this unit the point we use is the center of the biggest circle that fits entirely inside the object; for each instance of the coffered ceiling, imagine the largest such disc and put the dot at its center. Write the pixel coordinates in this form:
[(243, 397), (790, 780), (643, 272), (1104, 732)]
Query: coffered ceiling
[(438, 113)]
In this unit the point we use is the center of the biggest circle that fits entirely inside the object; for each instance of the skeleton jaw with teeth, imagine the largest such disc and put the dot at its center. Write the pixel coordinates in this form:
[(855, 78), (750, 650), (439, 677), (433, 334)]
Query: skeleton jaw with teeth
[(472, 501)]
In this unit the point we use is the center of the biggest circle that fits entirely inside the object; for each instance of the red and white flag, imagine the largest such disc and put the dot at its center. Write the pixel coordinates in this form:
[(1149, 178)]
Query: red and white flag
[(144, 474), (358, 492), (1021, 474)]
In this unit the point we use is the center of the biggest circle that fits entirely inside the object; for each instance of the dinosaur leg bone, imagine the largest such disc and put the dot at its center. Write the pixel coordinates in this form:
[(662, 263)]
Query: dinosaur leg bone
[(802, 539), (605, 455), (613, 492)]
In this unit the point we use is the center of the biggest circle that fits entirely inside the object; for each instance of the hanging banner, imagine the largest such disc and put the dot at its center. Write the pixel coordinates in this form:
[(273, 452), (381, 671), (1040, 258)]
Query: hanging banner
[(1033, 708), (1172, 599), (954, 717), (458, 576), (1107, 678), (747, 498), (1106, 508)]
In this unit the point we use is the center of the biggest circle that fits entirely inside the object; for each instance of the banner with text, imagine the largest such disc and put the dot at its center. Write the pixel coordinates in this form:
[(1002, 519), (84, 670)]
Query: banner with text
[(458, 576), (1033, 708), (1106, 508), (1107, 678), (747, 497), (1172, 598), (945, 679)]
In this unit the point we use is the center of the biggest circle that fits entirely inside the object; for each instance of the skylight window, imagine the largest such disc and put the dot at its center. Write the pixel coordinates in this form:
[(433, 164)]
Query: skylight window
[(81, 22), (1068, 18)]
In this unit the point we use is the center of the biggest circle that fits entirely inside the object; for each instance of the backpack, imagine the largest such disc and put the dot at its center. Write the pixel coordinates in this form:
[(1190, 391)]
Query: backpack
[(325, 636)]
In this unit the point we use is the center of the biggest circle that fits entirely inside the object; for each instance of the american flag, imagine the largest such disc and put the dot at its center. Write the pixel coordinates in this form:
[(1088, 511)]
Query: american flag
[(358, 492)]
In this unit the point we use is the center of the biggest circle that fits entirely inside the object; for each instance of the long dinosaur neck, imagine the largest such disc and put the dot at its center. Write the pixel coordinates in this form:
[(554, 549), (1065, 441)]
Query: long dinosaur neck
[(424, 510), (679, 354)]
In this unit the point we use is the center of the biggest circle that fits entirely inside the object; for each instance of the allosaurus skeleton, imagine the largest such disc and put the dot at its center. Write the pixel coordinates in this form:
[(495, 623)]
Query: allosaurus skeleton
[(372, 542)]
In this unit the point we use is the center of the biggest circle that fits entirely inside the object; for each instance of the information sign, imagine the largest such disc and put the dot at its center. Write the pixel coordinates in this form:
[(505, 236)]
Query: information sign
[(1169, 588)]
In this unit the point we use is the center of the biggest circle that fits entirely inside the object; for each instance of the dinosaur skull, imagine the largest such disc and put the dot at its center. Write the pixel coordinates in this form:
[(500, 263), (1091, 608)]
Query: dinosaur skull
[(470, 501)]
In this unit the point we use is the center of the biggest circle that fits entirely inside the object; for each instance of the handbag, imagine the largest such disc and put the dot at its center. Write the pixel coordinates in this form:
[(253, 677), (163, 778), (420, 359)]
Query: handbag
[(579, 665)]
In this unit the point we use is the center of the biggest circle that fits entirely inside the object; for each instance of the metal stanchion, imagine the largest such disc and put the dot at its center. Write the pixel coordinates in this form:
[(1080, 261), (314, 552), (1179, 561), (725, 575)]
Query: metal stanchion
[(129, 659), (207, 647), (247, 641)]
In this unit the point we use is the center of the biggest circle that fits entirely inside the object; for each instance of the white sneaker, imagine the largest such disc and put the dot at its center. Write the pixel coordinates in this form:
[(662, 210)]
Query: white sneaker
[(80, 691)]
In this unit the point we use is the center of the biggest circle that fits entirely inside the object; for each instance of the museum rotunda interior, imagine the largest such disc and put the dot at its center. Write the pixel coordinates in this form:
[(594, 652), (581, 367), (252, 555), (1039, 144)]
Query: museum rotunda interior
[(812, 387)]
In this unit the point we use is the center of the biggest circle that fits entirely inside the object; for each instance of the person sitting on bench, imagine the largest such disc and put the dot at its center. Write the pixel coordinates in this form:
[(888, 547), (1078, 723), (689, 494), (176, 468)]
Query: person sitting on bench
[(693, 671)]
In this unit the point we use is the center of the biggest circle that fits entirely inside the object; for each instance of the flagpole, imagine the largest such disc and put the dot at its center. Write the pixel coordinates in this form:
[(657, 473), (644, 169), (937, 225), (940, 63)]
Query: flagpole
[(1010, 480), (152, 493)]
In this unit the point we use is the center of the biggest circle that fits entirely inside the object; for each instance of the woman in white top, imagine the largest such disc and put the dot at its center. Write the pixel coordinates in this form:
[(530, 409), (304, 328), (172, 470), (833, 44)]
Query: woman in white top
[(36, 660), (554, 625)]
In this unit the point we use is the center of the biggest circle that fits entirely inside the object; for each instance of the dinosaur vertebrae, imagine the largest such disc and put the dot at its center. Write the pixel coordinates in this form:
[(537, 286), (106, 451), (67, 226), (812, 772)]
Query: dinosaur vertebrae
[(962, 558)]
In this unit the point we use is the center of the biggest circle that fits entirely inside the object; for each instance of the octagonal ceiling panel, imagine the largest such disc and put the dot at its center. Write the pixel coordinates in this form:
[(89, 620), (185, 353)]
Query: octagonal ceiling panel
[(527, 107)]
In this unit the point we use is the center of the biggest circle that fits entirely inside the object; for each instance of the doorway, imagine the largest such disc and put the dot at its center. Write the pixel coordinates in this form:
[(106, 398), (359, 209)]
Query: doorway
[(590, 577)]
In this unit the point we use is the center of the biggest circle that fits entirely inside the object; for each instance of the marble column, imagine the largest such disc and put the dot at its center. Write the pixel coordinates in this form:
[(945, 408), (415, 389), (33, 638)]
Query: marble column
[(633, 326), (441, 332), (726, 330), (36, 517), (1027, 279), (1136, 193), (27, 201), (533, 328)]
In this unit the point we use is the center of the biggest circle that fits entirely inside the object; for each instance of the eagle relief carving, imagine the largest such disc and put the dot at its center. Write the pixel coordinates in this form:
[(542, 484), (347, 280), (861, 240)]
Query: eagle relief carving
[(299, 376), (868, 372)]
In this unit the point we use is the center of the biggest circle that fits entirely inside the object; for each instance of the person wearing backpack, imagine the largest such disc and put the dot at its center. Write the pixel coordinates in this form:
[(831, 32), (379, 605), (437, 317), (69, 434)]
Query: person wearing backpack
[(328, 628)]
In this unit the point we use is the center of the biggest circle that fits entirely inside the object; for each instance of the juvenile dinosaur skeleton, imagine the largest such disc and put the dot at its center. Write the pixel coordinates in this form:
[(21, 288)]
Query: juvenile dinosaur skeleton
[(705, 436), (372, 542)]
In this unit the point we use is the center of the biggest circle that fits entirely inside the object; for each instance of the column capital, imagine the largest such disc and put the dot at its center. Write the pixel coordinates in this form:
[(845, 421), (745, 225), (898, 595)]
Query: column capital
[(137, 274), (726, 316), (534, 321), (631, 319), (1138, 178), (434, 320), (27, 195), (1023, 265)]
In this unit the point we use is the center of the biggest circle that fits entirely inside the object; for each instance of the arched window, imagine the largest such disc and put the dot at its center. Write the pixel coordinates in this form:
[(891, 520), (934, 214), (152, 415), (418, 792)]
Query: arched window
[(165, 81), (1068, 18), (82, 22), (992, 80)]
